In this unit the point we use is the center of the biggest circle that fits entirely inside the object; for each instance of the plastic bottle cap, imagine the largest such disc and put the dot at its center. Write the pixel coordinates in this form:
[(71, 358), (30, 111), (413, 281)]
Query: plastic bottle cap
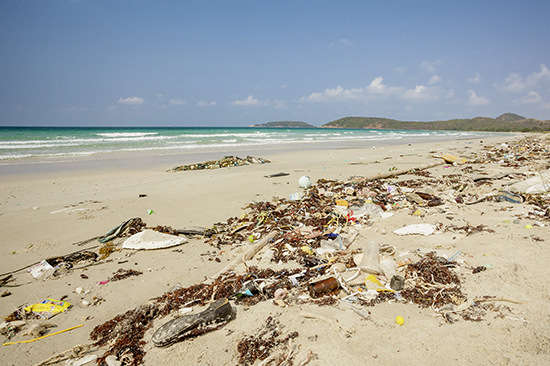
[(399, 320)]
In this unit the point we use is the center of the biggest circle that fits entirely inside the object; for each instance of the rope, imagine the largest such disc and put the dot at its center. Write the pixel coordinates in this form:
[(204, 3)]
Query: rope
[(46, 336)]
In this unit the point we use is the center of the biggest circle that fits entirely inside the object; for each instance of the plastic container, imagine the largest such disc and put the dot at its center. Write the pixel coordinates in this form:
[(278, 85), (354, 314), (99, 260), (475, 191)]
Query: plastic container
[(370, 262), (388, 267)]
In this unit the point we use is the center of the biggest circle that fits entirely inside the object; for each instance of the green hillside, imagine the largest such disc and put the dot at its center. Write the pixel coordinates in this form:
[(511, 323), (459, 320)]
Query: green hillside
[(507, 122), (510, 117)]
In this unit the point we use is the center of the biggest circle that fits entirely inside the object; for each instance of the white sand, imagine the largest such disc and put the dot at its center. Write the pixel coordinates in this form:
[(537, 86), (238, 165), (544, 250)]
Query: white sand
[(42, 214)]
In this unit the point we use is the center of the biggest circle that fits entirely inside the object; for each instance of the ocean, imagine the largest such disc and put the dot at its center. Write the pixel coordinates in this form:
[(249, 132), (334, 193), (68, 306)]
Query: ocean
[(24, 143)]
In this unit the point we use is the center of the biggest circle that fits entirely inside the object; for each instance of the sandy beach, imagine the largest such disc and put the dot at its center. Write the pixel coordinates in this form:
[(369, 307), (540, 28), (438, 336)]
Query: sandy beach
[(48, 209)]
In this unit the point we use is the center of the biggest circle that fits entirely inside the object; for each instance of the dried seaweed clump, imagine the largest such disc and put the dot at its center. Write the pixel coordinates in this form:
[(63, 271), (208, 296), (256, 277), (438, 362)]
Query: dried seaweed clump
[(260, 345), (435, 284), (124, 273), (166, 230), (227, 161), (469, 229), (126, 332), (135, 226)]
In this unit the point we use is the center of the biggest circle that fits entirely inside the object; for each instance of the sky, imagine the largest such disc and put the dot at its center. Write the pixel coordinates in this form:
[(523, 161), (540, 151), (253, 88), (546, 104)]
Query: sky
[(236, 63)]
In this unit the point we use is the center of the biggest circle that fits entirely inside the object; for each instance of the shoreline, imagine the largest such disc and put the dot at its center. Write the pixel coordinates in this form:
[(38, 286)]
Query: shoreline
[(152, 159)]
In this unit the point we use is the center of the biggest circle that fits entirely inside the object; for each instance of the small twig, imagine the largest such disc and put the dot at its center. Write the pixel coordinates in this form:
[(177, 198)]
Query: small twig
[(306, 360), (75, 352), (500, 299)]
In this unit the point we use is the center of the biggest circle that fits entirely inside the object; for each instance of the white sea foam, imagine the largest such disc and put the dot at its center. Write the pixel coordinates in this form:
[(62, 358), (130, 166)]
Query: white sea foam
[(82, 142), (126, 134)]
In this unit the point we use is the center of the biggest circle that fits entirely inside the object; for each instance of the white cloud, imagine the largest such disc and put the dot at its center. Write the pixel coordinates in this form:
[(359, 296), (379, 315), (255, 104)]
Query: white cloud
[(131, 100), (515, 83), (430, 66), (177, 102), (248, 101), (475, 79), (434, 80), (530, 98), (377, 88), (537, 77), (337, 93), (475, 100), (203, 103), (423, 93), (252, 101)]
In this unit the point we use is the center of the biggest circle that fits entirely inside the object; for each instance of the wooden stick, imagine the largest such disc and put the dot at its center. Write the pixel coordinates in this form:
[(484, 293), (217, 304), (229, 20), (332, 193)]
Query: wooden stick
[(499, 299), (246, 256), (262, 243), (75, 352)]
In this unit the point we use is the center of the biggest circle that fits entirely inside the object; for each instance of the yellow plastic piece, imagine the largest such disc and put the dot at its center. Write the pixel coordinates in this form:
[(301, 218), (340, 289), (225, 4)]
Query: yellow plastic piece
[(343, 203), (451, 159), (372, 283), (49, 307), (47, 335)]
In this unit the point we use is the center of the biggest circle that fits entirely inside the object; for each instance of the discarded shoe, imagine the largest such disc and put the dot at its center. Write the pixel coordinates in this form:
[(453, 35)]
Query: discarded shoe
[(216, 315), (509, 197)]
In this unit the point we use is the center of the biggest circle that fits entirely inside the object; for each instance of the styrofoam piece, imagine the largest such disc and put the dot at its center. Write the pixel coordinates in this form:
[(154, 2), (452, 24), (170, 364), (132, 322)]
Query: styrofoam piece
[(416, 229), (151, 239)]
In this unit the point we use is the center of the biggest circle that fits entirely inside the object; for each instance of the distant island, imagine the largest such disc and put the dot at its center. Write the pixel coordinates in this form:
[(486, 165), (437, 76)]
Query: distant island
[(507, 122), (285, 124)]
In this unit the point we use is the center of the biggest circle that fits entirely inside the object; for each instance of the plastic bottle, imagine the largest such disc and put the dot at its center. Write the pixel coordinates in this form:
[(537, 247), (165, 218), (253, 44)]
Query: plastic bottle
[(388, 267), (371, 258)]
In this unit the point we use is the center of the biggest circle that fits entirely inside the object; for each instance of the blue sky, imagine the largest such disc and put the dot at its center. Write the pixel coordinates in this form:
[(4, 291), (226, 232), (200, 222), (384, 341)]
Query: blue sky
[(235, 63)]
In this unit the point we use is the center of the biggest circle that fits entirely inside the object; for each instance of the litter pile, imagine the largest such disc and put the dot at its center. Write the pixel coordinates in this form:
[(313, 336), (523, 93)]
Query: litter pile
[(315, 229), (228, 161), (310, 234)]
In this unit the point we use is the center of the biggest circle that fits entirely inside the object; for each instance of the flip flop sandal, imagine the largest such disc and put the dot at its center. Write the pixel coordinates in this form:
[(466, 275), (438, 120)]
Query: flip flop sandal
[(216, 315)]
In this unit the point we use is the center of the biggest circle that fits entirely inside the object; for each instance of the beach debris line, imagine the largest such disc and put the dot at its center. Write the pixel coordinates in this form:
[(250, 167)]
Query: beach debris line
[(226, 162)]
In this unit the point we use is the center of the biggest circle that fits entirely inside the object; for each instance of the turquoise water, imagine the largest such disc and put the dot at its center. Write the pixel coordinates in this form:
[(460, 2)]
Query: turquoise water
[(32, 142)]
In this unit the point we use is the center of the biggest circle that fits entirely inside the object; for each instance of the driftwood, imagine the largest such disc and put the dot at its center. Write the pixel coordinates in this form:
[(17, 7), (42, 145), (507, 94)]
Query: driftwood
[(75, 352), (248, 255)]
